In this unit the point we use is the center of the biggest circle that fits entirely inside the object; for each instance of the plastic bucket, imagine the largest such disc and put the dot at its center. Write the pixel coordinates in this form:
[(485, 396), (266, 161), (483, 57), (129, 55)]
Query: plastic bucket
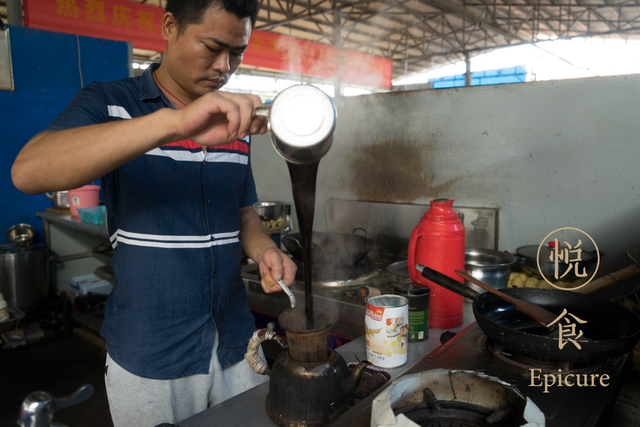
[(83, 197)]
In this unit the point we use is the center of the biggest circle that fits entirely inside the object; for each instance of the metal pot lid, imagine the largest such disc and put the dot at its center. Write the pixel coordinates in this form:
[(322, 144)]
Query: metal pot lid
[(302, 116), (531, 251), (400, 268)]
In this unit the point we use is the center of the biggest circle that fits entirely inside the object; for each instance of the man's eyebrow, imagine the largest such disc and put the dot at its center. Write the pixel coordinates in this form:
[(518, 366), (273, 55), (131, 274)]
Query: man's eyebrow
[(226, 45)]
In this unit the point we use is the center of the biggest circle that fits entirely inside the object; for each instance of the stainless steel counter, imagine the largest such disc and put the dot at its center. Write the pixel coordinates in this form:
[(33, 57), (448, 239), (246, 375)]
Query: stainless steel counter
[(74, 223), (72, 242), (248, 408)]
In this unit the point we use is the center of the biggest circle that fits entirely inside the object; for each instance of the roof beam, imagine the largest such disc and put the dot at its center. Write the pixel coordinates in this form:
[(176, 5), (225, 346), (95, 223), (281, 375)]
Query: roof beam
[(449, 6)]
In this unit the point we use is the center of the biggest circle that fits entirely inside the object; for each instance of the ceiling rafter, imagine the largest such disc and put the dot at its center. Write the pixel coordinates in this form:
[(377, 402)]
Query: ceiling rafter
[(414, 33)]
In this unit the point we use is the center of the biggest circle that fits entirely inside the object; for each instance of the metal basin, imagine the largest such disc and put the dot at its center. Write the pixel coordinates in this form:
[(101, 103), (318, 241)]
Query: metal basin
[(24, 275), (489, 266)]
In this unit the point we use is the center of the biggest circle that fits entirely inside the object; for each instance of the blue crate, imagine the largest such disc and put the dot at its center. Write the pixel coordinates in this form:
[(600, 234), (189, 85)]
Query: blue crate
[(96, 215)]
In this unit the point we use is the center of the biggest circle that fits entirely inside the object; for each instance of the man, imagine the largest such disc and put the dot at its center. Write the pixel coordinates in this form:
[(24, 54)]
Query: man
[(172, 154)]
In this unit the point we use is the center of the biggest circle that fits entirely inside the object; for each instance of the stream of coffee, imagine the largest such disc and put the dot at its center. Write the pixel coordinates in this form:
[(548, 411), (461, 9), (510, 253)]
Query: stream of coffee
[(303, 184)]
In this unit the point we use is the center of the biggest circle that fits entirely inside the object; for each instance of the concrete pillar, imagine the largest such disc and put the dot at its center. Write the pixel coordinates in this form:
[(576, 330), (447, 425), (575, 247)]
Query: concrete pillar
[(14, 12), (467, 74)]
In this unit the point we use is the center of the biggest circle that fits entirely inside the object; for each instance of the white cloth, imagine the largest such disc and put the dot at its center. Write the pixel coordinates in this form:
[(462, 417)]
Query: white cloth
[(143, 402)]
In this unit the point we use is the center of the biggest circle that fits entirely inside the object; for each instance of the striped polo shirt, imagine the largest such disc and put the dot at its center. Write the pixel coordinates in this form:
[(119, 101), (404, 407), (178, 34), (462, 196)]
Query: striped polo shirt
[(173, 218)]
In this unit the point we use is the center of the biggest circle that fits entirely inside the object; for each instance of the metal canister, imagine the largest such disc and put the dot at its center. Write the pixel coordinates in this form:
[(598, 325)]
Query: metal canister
[(418, 296), (386, 326)]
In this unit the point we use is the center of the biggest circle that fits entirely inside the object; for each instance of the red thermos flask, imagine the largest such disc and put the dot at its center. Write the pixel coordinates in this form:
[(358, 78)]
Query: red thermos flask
[(438, 242)]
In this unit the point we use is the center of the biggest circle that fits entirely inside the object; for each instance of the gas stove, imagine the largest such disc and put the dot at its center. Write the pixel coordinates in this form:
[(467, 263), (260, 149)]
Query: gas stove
[(564, 406)]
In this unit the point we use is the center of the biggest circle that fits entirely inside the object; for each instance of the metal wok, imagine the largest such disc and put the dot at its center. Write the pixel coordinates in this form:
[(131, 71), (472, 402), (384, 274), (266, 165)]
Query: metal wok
[(611, 330), (330, 249)]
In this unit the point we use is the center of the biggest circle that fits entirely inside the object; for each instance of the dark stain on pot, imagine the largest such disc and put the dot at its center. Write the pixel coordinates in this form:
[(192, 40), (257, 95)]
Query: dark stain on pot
[(394, 171)]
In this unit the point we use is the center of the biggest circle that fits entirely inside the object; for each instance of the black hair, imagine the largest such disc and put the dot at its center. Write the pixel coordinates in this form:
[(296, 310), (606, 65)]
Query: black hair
[(189, 12)]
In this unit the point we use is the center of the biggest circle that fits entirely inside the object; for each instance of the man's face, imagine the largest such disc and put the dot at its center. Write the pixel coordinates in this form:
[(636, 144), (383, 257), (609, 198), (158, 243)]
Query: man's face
[(205, 55)]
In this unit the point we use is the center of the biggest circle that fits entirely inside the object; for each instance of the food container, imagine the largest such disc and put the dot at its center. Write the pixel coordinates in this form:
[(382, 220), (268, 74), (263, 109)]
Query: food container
[(83, 197), (386, 325), (90, 283), (96, 215)]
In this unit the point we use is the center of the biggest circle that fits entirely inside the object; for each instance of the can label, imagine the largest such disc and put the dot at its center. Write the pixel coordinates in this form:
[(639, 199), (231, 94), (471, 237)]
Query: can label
[(418, 296), (418, 324), (387, 329)]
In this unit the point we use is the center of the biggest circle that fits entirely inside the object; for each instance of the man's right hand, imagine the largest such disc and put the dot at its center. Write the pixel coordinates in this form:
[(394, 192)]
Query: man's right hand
[(218, 118)]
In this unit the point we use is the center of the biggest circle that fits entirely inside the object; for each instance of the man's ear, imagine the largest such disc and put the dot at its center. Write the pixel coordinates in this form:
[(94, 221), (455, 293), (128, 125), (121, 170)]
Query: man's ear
[(169, 26)]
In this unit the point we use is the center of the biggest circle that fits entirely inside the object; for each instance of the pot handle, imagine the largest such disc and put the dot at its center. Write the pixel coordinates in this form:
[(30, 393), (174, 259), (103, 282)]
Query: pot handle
[(290, 237), (361, 229), (521, 259), (253, 357)]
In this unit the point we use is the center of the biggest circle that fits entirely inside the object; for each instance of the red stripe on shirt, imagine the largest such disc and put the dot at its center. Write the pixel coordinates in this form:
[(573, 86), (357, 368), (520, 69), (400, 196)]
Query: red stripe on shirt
[(237, 145)]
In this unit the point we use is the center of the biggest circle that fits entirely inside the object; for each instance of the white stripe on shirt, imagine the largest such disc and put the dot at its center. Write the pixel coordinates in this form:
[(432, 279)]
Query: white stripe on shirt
[(211, 157), (118, 111), (174, 241), (173, 238), (173, 245)]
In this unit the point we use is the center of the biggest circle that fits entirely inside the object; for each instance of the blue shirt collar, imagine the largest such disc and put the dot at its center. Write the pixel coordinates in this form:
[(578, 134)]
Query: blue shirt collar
[(149, 88)]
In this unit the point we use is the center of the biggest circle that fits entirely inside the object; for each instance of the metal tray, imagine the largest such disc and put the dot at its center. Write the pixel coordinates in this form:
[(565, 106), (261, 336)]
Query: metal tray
[(14, 319)]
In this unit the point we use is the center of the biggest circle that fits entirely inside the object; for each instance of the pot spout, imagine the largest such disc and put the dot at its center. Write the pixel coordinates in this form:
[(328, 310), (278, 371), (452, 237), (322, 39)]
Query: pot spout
[(350, 383)]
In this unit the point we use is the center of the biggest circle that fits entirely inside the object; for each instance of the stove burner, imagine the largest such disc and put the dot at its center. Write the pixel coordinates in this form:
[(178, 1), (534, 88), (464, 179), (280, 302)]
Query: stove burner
[(339, 276), (546, 366), (444, 413), (457, 415)]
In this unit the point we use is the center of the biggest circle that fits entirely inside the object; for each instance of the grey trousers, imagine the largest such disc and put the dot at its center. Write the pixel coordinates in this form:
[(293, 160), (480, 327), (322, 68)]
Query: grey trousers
[(141, 402)]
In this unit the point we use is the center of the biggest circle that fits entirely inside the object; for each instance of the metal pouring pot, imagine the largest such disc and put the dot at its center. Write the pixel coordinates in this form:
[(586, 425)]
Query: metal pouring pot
[(302, 119), (310, 383), (59, 199)]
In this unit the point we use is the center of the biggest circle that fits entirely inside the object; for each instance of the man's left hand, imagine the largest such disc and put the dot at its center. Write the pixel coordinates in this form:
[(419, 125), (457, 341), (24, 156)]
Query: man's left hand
[(275, 265)]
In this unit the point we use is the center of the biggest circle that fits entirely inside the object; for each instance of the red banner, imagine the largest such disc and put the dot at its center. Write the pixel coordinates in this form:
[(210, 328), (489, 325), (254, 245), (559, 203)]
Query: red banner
[(130, 21)]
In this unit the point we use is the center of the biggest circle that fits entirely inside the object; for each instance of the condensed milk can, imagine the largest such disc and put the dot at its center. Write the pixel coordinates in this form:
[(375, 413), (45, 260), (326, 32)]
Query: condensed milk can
[(386, 326)]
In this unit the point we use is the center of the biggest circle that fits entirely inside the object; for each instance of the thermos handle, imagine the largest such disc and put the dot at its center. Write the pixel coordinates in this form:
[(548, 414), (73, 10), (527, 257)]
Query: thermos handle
[(413, 243)]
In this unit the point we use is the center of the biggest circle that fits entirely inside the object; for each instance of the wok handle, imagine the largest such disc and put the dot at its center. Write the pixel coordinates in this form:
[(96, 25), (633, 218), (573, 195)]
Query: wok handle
[(446, 282), (609, 280)]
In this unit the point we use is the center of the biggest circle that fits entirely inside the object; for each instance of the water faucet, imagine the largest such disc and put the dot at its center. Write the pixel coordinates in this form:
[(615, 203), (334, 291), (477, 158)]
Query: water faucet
[(38, 407)]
